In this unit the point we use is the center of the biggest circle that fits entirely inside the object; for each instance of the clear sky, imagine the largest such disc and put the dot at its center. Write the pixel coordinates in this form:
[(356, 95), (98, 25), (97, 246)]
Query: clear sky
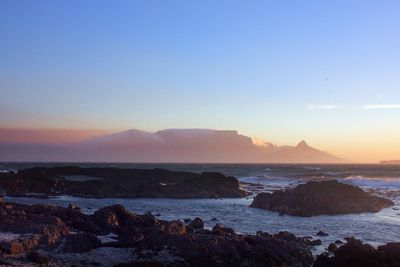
[(324, 71)]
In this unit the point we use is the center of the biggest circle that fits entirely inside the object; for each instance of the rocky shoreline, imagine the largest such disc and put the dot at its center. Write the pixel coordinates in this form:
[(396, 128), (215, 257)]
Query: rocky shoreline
[(46, 235), (321, 198), (118, 183), (112, 236)]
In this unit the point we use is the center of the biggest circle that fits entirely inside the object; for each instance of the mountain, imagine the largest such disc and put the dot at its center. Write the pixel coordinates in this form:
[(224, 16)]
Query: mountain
[(170, 145), (390, 162)]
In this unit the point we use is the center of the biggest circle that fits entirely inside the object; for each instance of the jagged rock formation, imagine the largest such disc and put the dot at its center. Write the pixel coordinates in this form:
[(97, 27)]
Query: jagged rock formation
[(112, 236)]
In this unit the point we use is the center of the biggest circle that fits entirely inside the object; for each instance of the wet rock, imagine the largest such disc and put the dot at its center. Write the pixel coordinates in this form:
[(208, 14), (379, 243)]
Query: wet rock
[(338, 242), (318, 198), (322, 233)]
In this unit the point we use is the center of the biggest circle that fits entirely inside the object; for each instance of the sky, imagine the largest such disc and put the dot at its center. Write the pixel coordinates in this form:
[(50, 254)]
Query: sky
[(282, 71)]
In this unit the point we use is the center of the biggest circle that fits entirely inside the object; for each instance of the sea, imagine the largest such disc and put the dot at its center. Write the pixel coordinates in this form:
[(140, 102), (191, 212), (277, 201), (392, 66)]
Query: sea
[(373, 228)]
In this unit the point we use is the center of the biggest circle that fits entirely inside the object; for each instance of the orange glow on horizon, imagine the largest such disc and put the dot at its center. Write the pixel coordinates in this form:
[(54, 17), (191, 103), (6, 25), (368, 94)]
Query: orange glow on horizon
[(46, 136)]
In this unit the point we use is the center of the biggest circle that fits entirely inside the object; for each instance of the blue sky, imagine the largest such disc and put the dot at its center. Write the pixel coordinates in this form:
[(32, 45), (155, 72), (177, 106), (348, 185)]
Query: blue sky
[(324, 71)]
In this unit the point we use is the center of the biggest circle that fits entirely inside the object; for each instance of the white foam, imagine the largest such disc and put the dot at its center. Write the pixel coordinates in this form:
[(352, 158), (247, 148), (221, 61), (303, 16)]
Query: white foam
[(375, 182)]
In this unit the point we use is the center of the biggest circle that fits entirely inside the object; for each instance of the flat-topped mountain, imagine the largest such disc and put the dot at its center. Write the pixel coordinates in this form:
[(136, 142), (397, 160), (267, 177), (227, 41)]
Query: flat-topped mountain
[(394, 162), (171, 145)]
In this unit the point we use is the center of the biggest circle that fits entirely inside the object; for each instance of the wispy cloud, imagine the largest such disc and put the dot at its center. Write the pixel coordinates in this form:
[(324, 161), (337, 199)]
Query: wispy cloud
[(382, 106), (323, 106)]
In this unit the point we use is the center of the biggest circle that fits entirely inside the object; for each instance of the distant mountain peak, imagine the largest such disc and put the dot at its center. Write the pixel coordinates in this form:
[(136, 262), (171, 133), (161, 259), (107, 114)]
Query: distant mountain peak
[(302, 144)]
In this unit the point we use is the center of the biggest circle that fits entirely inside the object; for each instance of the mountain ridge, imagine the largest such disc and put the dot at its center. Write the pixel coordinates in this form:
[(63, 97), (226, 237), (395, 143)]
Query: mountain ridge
[(169, 145)]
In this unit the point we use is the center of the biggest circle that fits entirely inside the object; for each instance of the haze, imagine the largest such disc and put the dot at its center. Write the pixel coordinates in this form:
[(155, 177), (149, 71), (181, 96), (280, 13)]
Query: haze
[(280, 71)]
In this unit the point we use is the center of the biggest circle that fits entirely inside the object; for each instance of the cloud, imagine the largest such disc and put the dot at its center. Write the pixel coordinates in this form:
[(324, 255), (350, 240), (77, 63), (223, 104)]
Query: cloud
[(382, 106), (323, 106)]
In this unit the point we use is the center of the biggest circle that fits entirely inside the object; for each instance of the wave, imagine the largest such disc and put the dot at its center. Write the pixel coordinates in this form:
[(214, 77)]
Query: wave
[(375, 182)]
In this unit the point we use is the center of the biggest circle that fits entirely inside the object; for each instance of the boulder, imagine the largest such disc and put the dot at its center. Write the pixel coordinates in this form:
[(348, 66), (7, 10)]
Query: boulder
[(318, 198), (195, 224), (356, 254)]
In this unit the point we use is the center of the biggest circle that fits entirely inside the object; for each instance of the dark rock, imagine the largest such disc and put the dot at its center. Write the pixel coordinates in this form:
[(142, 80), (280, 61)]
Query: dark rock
[(323, 260), (356, 254), (317, 198), (196, 224), (322, 233), (142, 264), (222, 231), (113, 218), (173, 227), (20, 245), (155, 242), (315, 242), (212, 249), (37, 258), (338, 242), (82, 242), (332, 247), (120, 183)]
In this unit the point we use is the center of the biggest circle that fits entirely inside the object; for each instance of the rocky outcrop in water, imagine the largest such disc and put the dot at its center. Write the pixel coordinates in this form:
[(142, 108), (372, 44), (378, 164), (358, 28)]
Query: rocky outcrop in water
[(356, 254), (119, 183), (318, 198), (56, 236)]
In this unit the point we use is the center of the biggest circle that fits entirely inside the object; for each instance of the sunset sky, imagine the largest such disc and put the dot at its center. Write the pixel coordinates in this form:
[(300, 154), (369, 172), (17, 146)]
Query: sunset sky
[(282, 71)]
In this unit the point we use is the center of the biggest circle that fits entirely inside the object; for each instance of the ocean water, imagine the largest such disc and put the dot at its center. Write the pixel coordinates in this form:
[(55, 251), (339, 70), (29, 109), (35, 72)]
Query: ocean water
[(374, 228)]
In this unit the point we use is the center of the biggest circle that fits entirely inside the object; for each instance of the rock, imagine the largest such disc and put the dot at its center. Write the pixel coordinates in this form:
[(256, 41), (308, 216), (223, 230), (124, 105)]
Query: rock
[(214, 249), (315, 242), (20, 245), (142, 264), (51, 230), (222, 231), (332, 247), (37, 258), (173, 227), (323, 260), (318, 198), (196, 224), (83, 242), (338, 242), (113, 218), (356, 254), (321, 233), (73, 207), (120, 183)]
